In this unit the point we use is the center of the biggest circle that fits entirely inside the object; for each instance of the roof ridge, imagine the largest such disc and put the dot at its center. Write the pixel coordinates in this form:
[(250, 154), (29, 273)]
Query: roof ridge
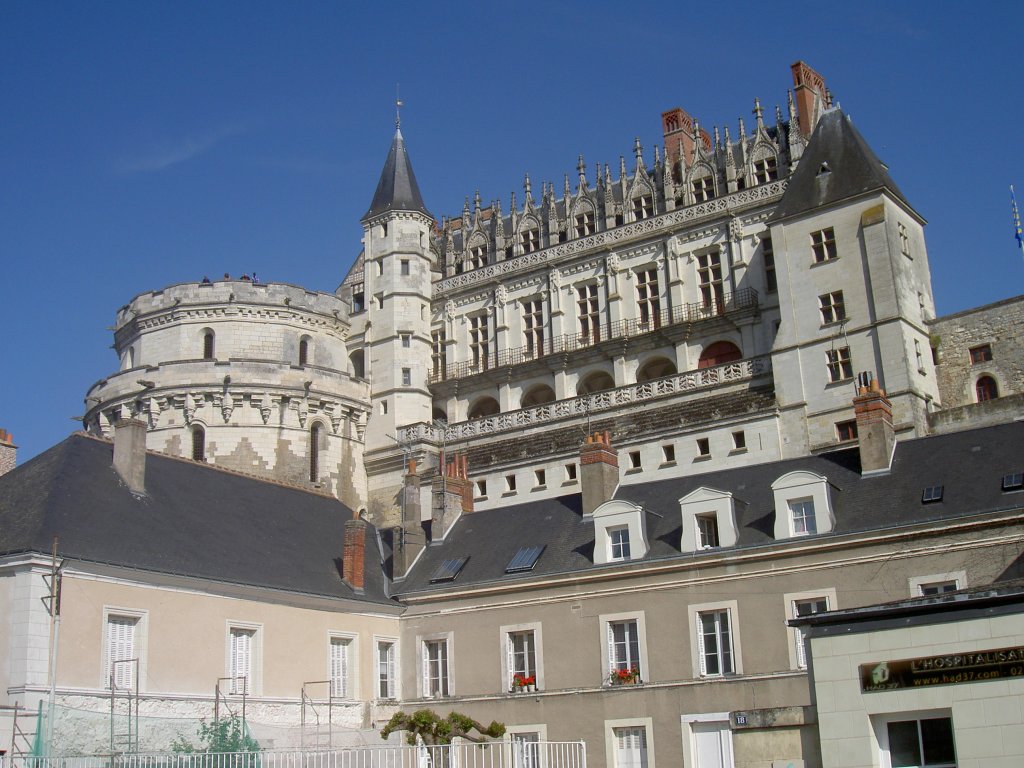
[(218, 468)]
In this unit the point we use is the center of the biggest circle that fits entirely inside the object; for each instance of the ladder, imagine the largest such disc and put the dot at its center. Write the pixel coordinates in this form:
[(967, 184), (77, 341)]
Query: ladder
[(24, 729)]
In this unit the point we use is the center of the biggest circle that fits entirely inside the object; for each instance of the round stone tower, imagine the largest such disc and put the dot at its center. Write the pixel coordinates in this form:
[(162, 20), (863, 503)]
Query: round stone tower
[(248, 376)]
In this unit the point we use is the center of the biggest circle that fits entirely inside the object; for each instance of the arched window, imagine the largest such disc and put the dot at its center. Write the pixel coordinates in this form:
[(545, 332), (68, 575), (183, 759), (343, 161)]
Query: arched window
[(315, 432), (538, 395), (986, 389), (485, 406), (358, 365), (655, 369), (303, 350), (595, 382), (198, 444), (719, 353), (207, 345)]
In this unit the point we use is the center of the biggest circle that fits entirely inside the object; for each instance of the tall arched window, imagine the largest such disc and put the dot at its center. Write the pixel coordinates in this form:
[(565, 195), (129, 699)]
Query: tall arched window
[(198, 444), (986, 389), (207, 345), (314, 452), (303, 350)]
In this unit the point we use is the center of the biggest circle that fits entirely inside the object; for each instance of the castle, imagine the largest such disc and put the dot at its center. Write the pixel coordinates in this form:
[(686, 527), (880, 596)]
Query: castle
[(609, 441)]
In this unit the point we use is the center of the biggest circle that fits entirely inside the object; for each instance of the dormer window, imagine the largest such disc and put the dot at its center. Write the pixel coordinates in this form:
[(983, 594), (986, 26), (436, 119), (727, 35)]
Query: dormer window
[(802, 513), (766, 170), (620, 532), (585, 224), (703, 189), (803, 505), (618, 541), (477, 257), (531, 240), (709, 520), (643, 207)]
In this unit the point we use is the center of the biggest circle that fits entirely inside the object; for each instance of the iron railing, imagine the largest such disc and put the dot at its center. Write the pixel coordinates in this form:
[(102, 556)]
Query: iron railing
[(726, 305), (493, 754)]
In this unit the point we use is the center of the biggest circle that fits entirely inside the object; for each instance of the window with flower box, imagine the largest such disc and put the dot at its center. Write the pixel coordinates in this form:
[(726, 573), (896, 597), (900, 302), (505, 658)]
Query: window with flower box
[(625, 648), (521, 668)]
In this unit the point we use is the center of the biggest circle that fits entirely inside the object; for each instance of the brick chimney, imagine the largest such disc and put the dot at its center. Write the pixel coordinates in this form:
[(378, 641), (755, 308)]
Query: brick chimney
[(453, 495), (353, 554), (130, 453), (677, 131), (875, 432), (410, 539), (8, 452), (599, 470), (810, 94)]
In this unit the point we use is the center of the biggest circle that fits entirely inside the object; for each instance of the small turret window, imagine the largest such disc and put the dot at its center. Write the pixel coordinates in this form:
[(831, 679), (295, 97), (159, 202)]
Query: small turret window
[(314, 452), (303, 351), (208, 348), (198, 444)]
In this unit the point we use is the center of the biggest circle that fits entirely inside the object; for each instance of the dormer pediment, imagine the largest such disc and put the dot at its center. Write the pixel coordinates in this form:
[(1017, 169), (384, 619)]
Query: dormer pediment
[(803, 505), (708, 520)]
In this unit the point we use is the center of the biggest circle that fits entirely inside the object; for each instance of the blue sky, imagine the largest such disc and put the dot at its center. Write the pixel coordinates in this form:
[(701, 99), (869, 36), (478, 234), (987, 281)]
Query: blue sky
[(148, 143)]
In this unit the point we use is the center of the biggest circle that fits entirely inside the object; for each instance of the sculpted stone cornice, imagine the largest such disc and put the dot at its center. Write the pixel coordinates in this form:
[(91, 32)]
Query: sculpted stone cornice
[(663, 223)]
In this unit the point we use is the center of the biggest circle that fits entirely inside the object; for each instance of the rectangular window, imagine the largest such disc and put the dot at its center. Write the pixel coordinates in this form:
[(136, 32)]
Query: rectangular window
[(937, 587), (240, 664), (806, 607), (438, 354), (840, 368), (1013, 481), (801, 513), (919, 356), (525, 749), (714, 643), (522, 658), (386, 677), (358, 298), (618, 540), (121, 652), (477, 257), (634, 460), (630, 747), (739, 441), (924, 743), (406, 339), (707, 531), (668, 452), (823, 245), (480, 342), (533, 327), (648, 298), (481, 489), (588, 308), (981, 354), (339, 667), (435, 668), (709, 275), (904, 239), (766, 170), (585, 224), (703, 447), (406, 377), (768, 253), (846, 430), (570, 473), (404, 268), (703, 189), (643, 207), (833, 309), (531, 240), (623, 646), (510, 483), (539, 478)]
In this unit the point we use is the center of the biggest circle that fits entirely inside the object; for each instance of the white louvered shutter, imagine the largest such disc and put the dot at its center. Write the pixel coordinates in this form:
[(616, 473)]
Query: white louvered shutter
[(241, 660), (510, 651), (391, 693), (701, 654), (426, 670), (339, 667), (120, 647), (611, 648), (631, 748)]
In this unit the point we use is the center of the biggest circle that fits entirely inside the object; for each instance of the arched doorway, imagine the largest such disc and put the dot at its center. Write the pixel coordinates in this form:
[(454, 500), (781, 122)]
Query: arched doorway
[(538, 395), (485, 406), (986, 389), (719, 353)]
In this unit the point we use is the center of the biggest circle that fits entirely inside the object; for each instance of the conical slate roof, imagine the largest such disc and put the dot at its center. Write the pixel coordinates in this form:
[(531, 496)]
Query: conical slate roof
[(838, 164), (397, 189)]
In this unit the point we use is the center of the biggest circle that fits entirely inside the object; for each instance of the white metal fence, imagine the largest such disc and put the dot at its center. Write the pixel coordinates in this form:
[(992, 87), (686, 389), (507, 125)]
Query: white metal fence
[(494, 754)]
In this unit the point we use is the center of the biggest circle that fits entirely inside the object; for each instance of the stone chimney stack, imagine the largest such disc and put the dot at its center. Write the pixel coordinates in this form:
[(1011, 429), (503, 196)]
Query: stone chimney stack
[(599, 470), (410, 539), (353, 554), (453, 495), (810, 94), (8, 452), (130, 453), (875, 432)]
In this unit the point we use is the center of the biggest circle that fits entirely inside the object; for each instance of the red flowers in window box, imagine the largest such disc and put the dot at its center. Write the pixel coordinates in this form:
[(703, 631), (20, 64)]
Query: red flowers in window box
[(521, 681), (625, 676)]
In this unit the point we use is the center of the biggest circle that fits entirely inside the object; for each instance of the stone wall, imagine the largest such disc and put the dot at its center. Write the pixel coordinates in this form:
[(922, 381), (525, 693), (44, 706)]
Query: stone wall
[(1001, 327)]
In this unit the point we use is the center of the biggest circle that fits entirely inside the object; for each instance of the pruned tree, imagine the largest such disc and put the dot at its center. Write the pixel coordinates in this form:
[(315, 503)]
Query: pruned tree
[(434, 729)]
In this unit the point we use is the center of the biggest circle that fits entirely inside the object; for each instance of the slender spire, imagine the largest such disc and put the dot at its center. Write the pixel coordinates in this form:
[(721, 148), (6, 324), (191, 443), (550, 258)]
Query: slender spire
[(397, 189)]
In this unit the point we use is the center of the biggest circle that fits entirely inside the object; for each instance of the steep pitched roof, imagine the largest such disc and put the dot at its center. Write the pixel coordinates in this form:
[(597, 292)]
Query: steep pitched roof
[(397, 189), (194, 520), (969, 464), (852, 169)]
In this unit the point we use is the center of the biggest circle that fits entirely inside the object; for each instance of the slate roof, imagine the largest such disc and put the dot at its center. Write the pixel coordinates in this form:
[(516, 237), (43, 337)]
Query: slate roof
[(397, 189), (194, 520), (969, 464), (854, 169)]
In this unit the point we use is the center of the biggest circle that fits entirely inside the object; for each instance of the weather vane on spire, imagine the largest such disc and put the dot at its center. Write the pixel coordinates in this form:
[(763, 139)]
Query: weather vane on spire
[(398, 108)]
